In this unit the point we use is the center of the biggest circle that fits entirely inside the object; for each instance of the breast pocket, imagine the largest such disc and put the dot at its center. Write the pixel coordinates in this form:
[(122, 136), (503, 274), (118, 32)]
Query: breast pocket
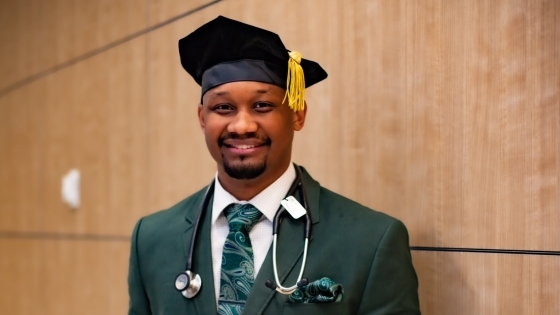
[(338, 308)]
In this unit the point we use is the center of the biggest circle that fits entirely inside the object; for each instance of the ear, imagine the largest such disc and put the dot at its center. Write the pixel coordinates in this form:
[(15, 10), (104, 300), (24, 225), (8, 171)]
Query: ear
[(299, 118), (201, 117)]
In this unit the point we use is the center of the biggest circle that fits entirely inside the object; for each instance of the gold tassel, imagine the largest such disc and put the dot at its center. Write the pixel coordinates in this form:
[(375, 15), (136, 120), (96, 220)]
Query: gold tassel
[(295, 84)]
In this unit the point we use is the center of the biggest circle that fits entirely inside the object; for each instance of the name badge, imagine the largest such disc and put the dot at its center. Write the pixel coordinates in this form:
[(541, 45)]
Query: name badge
[(295, 209)]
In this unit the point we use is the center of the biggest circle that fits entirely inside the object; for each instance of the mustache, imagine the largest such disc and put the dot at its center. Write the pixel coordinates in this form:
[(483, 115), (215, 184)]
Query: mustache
[(236, 136)]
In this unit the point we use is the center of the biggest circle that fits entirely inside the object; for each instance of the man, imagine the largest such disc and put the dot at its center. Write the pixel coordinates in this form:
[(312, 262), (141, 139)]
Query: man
[(358, 260)]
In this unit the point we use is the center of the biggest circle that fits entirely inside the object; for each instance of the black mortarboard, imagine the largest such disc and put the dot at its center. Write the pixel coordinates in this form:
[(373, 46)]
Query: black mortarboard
[(224, 50)]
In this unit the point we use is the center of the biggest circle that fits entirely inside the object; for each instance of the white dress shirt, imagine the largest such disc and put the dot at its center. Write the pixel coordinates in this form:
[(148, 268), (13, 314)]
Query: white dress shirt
[(267, 201)]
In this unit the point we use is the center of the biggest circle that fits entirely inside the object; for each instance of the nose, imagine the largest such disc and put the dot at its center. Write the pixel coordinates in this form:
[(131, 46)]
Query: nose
[(243, 122)]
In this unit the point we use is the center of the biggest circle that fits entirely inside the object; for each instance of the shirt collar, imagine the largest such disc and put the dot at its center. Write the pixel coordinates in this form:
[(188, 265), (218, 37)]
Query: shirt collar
[(267, 201)]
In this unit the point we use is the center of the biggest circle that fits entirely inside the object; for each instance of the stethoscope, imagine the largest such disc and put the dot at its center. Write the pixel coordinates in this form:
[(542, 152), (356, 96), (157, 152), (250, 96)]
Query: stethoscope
[(189, 283)]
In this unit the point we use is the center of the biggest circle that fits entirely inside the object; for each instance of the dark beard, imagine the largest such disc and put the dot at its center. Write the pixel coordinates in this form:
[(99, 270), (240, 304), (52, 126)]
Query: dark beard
[(246, 171)]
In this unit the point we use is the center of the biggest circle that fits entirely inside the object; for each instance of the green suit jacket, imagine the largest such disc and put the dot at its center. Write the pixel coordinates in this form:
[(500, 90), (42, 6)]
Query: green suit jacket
[(364, 250)]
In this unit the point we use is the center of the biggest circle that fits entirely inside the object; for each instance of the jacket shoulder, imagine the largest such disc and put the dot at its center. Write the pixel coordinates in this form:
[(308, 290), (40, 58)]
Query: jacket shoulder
[(334, 204), (175, 215)]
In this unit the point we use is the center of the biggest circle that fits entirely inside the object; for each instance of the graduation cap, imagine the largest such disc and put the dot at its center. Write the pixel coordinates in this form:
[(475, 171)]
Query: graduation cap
[(224, 50)]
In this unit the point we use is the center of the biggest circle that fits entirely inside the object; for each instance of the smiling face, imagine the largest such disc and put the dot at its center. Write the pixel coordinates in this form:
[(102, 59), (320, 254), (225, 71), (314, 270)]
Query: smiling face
[(249, 131)]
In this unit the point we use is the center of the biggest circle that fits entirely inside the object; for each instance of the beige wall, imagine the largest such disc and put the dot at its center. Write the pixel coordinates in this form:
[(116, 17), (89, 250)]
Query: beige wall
[(443, 113)]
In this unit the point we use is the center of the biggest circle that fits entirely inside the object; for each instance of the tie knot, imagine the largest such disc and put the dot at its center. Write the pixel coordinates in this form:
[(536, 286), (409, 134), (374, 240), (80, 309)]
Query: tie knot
[(242, 217)]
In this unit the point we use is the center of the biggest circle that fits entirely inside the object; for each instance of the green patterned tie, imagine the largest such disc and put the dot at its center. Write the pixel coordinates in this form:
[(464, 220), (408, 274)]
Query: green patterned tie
[(238, 271)]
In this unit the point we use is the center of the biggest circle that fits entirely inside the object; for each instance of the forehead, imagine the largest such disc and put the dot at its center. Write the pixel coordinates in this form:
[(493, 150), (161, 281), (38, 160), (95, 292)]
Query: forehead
[(240, 89)]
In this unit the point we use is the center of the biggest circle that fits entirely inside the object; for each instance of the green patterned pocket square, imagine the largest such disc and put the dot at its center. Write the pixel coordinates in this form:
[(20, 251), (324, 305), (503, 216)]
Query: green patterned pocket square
[(323, 290)]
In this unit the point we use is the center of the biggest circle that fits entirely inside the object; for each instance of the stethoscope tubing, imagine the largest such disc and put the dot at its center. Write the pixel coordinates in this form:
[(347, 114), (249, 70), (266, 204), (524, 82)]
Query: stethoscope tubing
[(191, 286), (201, 209), (279, 288)]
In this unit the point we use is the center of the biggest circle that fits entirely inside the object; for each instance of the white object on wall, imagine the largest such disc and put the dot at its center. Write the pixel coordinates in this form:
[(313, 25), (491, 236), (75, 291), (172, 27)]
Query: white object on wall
[(71, 188)]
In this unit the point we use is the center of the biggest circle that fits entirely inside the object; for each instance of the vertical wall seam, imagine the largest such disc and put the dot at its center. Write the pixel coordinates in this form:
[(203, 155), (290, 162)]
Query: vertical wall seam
[(148, 112)]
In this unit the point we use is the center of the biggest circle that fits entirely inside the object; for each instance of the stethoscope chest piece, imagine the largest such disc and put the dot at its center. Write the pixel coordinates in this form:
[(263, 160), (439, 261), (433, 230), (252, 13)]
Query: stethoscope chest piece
[(188, 283)]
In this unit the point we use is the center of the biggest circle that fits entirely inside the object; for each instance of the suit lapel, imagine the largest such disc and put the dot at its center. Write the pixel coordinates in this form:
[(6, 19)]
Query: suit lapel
[(205, 300), (289, 251), (313, 193)]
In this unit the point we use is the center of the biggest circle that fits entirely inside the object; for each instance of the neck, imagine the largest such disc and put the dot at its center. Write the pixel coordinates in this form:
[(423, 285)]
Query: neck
[(246, 189)]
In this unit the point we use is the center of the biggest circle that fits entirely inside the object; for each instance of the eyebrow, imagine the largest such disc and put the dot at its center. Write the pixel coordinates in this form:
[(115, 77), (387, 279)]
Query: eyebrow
[(221, 93), (259, 91)]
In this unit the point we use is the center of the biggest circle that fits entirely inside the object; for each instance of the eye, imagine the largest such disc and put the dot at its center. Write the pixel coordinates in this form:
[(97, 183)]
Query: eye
[(222, 108), (263, 107)]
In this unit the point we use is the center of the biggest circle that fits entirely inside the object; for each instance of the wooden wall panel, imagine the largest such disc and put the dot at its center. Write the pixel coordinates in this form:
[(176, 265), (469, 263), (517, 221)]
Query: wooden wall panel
[(75, 27), (487, 284), (22, 284), (478, 124), (442, 138), (21, 165), (440, 113), (84, 277), (96, 122), (179, 161), (445, 114), (458, 138), (20, 35), (161, 10)]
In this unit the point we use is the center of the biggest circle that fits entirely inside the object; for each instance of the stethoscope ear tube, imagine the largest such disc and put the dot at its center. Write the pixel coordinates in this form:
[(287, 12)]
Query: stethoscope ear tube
[(300, 281), (298, 183)]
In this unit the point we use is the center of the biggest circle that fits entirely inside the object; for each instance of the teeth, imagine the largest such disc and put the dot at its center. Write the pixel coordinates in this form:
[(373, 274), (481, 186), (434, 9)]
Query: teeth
[(244, 146)]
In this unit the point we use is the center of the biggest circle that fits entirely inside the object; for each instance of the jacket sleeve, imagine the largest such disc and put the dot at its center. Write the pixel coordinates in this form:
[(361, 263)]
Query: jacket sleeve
[(138, 299), (392, 285)]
